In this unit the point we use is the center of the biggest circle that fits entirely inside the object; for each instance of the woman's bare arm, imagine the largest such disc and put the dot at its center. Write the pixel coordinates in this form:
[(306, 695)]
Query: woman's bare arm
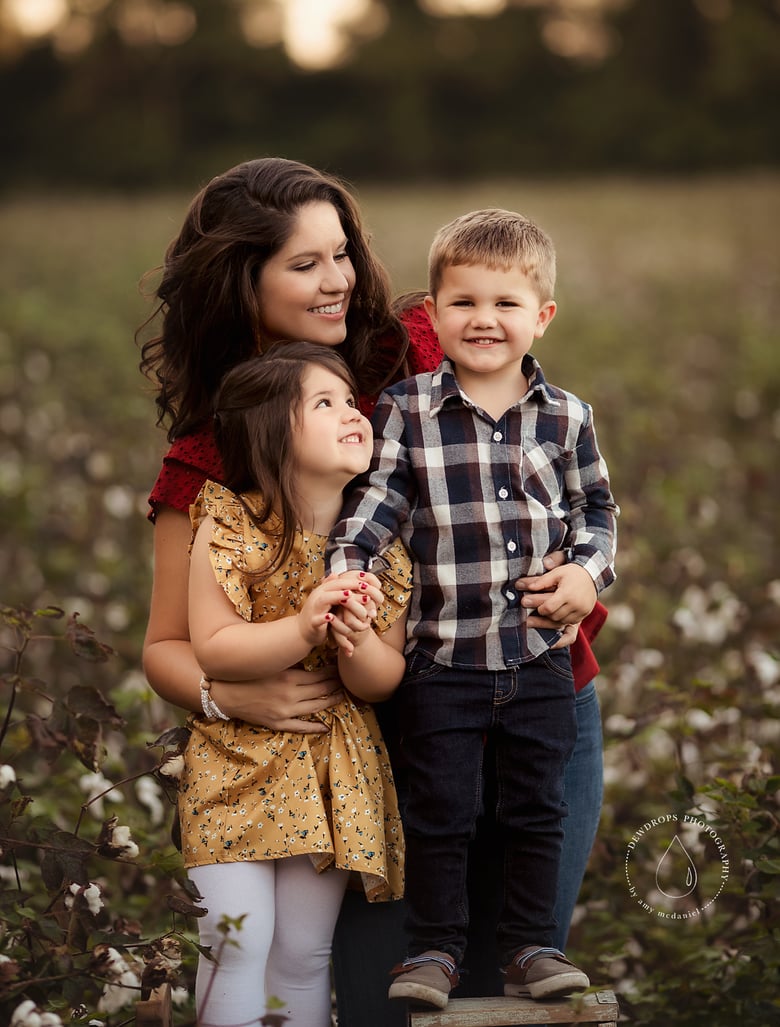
[(168, 660), (174, 673)]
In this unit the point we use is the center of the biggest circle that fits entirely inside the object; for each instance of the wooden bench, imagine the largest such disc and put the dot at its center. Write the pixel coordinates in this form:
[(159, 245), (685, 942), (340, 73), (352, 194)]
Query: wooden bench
[(598, 1007)]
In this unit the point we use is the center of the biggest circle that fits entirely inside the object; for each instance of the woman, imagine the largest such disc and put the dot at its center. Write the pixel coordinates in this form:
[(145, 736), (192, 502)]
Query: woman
[(273, 250)]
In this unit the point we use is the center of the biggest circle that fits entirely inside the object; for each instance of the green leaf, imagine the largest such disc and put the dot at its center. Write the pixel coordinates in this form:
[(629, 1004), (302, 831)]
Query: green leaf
[(51, 612), (167, 862), (768, 866), (16, 617)]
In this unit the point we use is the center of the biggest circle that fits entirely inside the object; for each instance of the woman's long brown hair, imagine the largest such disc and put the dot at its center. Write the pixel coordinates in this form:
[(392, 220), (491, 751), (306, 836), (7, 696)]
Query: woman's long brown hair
[(207, 296)]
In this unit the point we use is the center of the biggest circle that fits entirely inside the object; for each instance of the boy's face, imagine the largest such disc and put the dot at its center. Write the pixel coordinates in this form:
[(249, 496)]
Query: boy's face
[(487, 318)]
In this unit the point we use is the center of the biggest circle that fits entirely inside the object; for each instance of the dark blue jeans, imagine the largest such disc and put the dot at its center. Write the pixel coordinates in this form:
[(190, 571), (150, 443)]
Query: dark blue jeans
[(370, 937), (450, 719), (583, 792)]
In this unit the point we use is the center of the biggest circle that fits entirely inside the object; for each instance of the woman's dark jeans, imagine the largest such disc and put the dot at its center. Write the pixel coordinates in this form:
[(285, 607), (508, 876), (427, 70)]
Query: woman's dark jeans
[(370, 937)]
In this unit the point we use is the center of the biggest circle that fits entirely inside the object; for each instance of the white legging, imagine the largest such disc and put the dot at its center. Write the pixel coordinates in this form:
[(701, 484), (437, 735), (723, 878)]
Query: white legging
[(282, 947)]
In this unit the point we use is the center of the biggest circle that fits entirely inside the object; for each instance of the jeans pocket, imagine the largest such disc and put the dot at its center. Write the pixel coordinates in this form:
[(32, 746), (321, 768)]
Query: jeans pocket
[(420, 667), (558, 662)]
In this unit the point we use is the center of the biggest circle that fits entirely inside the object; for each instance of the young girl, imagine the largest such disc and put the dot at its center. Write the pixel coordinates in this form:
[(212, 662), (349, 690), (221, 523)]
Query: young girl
[(273, 822)]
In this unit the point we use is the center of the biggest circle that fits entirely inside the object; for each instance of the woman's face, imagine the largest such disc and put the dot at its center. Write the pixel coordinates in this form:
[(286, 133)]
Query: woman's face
[(304, 289)]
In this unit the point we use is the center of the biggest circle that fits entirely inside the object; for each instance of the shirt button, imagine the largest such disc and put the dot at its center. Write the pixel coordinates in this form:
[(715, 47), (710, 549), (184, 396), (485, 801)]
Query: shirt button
[(510, 596), (511, 546), (497, 436), (503, 493)]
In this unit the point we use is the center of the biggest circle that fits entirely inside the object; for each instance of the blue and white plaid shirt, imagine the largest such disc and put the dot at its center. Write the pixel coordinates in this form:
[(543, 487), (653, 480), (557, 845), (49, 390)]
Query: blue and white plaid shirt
[(478, 504)]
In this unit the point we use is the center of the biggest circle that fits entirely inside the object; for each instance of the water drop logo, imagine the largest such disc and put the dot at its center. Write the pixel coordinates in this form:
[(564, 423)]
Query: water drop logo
[(675, 875), (676, 866)]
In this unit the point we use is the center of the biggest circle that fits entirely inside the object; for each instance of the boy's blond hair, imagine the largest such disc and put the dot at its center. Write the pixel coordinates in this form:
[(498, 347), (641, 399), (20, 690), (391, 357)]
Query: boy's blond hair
[(494, 238)]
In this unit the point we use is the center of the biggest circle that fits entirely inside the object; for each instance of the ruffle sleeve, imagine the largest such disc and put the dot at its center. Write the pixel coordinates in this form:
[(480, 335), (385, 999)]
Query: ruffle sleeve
[(236, 550), (394, 570)]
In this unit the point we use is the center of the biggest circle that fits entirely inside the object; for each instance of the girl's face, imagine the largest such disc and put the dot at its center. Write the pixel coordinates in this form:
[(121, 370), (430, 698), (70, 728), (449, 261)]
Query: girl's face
[(332, 440), (304, 289)]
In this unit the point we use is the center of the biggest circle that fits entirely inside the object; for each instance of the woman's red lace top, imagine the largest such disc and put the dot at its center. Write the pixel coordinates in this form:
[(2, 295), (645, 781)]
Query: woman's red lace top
[(194, 458)]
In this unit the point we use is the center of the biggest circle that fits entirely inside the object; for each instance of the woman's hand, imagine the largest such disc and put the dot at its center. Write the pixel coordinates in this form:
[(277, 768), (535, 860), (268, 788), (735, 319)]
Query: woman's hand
[(280, 703)]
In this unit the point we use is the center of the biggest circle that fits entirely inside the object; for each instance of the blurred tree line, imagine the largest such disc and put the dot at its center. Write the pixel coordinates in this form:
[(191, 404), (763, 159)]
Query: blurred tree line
[(680, 86)]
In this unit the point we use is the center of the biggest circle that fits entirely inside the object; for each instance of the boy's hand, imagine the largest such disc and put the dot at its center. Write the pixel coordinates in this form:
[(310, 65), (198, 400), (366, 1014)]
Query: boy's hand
[(564, 594)]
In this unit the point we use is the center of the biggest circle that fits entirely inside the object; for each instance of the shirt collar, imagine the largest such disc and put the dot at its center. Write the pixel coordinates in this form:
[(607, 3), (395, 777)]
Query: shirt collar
[(444, 385)]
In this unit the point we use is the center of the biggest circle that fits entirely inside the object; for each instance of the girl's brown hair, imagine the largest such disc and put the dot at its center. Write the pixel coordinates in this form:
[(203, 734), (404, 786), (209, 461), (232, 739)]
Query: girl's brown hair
[(207, 296), (255, 407)]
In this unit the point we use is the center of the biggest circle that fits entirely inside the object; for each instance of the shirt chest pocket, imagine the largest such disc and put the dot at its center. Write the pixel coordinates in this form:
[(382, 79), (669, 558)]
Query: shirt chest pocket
[(543, 468)]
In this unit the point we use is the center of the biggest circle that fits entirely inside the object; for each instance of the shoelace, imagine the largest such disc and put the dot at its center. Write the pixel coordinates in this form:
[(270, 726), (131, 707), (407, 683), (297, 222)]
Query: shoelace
[(538, 952), (418, 960)]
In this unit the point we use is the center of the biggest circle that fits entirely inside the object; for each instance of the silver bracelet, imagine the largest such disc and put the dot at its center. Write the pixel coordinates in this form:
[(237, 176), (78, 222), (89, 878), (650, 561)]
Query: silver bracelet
[(210, 709)]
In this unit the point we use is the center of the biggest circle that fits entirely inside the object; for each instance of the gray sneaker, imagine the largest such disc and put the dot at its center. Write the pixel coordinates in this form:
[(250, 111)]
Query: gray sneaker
[(542, 973), (425, 980)]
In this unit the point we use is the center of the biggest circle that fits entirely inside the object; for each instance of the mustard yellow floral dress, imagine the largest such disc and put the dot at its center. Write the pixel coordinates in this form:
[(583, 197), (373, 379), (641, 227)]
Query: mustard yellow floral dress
[(249, 793)]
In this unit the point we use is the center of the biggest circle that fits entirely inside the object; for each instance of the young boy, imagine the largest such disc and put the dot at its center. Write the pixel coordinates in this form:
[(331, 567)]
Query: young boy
[(482, 467)]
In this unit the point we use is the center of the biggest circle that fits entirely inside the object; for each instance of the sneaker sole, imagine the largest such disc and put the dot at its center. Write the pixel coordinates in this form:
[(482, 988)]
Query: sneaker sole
[(560, 984), (418, 994)]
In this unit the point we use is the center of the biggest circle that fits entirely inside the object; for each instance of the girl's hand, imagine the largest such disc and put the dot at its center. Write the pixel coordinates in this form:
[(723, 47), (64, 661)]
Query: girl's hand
[(280, 703), (351, 591), (354, 615), (351, 624)]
